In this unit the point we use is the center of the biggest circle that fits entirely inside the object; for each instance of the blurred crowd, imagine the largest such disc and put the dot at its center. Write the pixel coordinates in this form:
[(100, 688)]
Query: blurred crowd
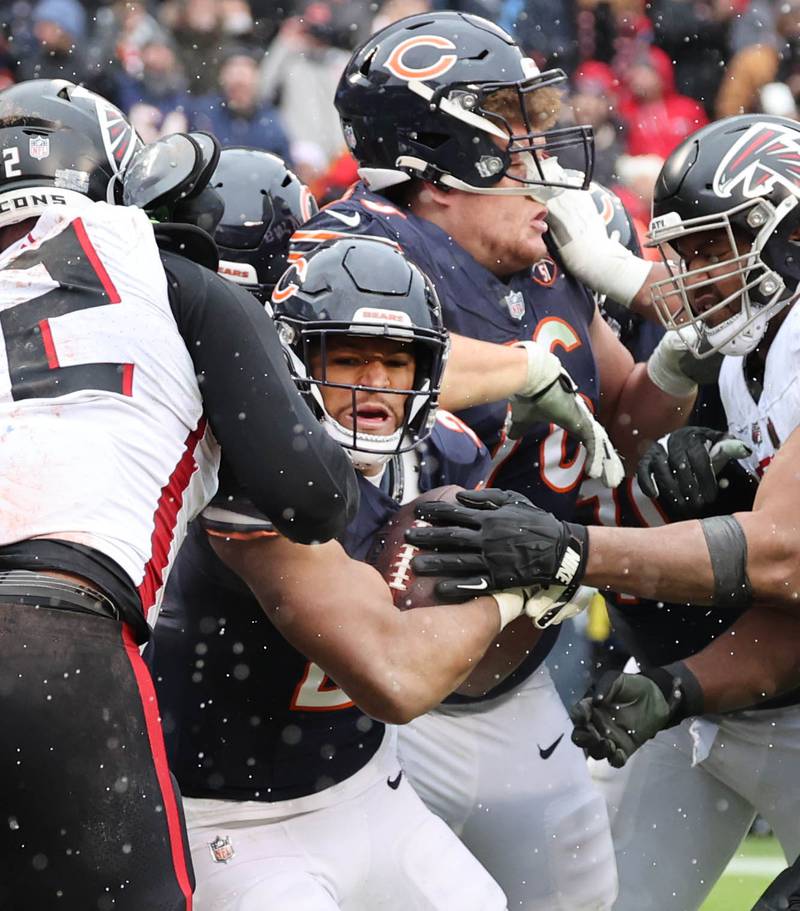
[(262, 73)]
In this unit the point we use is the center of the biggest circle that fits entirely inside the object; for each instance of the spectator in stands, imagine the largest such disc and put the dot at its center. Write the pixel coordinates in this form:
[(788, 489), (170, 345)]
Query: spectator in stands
[(637, 175), (656, 116), (155, 99), (59, 27), (201, 43), (775, 59), (696, 34), (392, 10), (594, 102), (299, 74), (235, 114), (121, 31), (546, 29)]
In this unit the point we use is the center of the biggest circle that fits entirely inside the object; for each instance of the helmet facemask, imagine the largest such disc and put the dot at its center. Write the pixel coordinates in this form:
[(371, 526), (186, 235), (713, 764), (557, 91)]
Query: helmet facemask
[(500, 138), (763, 292), (302, 341)]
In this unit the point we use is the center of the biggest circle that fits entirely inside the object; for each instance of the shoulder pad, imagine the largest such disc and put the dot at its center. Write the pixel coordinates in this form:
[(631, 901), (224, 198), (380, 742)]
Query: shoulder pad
[(189, 241), (449, 427)]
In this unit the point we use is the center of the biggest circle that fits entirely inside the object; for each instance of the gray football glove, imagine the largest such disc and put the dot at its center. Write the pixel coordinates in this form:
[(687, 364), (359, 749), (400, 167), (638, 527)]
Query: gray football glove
[(622, 711), (561, 403)]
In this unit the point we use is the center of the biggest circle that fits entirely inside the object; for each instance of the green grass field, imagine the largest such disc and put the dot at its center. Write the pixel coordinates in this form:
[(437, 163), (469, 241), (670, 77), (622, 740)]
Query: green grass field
[(756, 864)]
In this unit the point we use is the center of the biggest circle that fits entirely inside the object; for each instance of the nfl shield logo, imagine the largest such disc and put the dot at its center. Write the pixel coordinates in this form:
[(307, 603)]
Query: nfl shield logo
[(221, 849), (755, 433), (515, 303), (39, 147)]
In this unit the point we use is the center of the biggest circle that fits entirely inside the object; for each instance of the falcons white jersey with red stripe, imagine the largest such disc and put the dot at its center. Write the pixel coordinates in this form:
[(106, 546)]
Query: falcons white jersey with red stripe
[(104, 442), (766, 424)]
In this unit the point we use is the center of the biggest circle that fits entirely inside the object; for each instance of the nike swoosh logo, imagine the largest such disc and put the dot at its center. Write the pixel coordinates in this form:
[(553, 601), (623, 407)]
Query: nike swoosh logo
[(351, 221), (478, 588), (546, 754), (394, 783)]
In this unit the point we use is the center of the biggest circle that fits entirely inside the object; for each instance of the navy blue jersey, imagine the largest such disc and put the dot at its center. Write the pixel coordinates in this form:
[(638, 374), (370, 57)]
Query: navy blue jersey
[(543, 303), (246, 716)]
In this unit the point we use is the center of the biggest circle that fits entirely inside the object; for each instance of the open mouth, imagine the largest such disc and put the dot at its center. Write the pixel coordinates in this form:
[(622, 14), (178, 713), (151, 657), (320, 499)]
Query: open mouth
[(703, 301), (372, 417)]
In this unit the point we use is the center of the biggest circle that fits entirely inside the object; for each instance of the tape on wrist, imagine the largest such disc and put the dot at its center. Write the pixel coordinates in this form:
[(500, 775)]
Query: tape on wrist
[(667, 375), (510, 605), (727, 548), (544, 368)]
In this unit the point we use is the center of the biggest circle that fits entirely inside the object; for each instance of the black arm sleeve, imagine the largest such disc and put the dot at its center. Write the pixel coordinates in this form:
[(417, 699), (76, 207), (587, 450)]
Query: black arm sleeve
[(276, 449)]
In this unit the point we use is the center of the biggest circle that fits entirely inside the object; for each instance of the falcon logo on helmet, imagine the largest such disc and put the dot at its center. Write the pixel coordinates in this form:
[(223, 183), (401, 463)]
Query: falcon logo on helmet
[(765, 156)]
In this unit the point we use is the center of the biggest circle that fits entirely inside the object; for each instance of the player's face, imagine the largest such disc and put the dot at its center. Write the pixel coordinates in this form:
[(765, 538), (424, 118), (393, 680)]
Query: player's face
[(504, 233), (709, 254), (382, 363)]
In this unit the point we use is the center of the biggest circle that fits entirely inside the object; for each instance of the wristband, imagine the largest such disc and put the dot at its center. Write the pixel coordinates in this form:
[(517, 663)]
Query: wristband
[(680, 688), (664, 370), (727, 548), (510, 605), (544, 368), (610, 269)]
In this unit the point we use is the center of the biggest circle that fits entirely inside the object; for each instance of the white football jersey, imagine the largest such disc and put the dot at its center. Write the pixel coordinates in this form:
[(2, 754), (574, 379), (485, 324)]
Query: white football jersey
[(104, 442), (766, 424)]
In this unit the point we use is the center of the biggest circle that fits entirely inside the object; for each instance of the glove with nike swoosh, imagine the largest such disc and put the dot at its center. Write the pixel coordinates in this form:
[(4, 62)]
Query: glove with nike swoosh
[(491, 540), (622, 711)]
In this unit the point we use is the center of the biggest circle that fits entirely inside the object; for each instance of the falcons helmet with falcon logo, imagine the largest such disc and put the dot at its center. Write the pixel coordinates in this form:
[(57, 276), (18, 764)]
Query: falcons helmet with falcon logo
[(739, 176)]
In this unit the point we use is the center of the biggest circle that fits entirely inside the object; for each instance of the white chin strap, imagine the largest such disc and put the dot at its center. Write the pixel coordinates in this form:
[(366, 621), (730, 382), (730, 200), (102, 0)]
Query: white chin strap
[(379, 448), (733, 337)]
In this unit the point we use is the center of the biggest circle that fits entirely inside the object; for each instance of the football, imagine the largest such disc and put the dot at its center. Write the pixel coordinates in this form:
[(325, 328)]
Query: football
[(392, 556)]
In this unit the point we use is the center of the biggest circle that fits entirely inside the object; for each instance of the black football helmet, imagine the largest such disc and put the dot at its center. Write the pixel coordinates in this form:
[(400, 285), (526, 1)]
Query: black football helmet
[(412, 102), (740, 176), (363, 287), (265, 203), (60, 143), (618, 222)]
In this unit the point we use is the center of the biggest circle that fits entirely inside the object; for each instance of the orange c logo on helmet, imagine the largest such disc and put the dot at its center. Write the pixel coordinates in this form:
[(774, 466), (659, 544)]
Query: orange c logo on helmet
[(396, 66)]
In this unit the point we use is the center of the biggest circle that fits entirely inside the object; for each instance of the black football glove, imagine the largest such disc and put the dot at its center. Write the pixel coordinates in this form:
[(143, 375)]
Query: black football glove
[(621, 711), (681, 469), (493, 540)]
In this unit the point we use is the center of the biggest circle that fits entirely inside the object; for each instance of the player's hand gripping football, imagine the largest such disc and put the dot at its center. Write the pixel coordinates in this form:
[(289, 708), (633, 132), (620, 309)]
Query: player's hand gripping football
[(682, 468), (622, 711), (492, 540), (551, 395)]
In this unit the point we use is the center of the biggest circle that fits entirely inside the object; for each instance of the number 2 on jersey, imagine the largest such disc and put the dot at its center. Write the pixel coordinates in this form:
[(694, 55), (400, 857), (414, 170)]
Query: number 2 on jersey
[(316, 692), (83, 283)]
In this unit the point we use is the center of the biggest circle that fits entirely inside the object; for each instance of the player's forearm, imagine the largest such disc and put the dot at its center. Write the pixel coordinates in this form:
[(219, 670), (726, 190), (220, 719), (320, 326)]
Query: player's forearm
[(479, 372), (434, 650), (643, 413), (670, 563), (756, 659)]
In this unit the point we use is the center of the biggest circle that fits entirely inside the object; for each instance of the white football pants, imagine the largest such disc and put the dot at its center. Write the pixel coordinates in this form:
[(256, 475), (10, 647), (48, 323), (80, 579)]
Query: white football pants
[(684, 801), (366, 844), (506, 777)]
